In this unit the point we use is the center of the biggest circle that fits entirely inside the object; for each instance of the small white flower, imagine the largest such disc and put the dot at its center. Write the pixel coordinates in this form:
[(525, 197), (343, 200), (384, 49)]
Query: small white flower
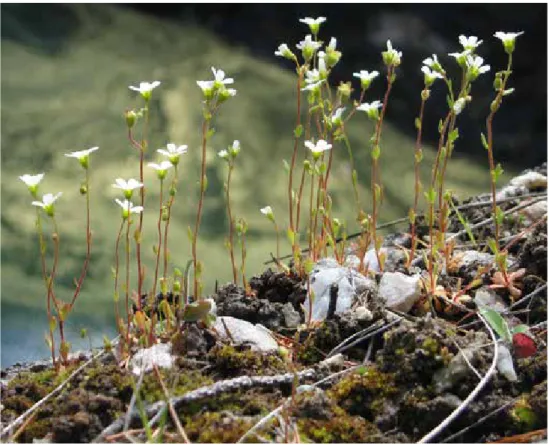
[(206, 86), (318, 148), (332, 55), (434, 64), (430, 76), (47, 202), (332, 45), (366, 78), (145, 88), (83, 156), (82, 153), (266, 210), (508, 39), (314, 24), (223, 154), (308, 47), (284, 51), (459, 105), (220, 78), (235, 148), (337, 116), (475, 67), (127, 186), (391, 57), (323, 72), (371, 109), (161, 169), (128, 207), (173, 152), (32, 180), (312, 76), (470, 43), (461, 57), (313, 86)]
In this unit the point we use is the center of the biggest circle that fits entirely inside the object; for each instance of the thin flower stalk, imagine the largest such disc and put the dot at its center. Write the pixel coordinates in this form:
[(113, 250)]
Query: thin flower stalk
[(159, 229), (88, 239), (127, 285), (173, 187), (418, 155), (303, 171), (116, 274), (291, 202), (376, 181), (231, 223), (205, 129), (490, 148)]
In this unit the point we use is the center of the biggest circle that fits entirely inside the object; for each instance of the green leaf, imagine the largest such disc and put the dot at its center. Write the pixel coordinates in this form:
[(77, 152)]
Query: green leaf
[(492, 245), (498, 171), (484, 141), (417, 123), (210, 133), (286, 165), (454, 134), (430, 195), (499, 215), (496, 322), (308, 265), (298, 131), (177, 272), (197, 311), (520, 329), (440, 126), (418, 155), (291, 236), (376, 152), (190, 234)]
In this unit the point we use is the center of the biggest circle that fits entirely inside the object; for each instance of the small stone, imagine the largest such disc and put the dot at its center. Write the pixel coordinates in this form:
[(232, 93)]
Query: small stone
[(292, 319), (488, 298), (364, 314), (399, 291), (349, 282), (159, 355), (505, 364), (244, 332), (530, 180), (457, 369)]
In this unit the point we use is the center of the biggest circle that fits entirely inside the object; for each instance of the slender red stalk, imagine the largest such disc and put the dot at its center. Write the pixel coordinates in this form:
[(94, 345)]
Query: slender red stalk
[(159, 227), (231, 224)]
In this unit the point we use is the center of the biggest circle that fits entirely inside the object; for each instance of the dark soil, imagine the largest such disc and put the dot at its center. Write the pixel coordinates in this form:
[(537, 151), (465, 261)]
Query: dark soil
[(400, 393)]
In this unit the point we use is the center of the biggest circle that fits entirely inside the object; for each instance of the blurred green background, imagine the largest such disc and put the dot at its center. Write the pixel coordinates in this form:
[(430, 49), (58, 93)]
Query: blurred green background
[(66, 94)]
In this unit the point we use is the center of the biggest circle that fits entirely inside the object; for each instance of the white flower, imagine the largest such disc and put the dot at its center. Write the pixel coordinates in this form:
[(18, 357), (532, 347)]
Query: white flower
[(366, 78), (391, 57), (314, 24), (475, 67), (461, 57), (284, 51), (266, 210), (434, 64), (220, 78), (508, 39), (323, 72), (32, 181), (459, 105), (206, 86), (127, 186), (308, 47), (332, 45), (309, 21), (371, 109), (223, 154), (173, 152), (161, 169), (336, 117), (145, 88), (313, 86), (128, 207), (312, 76), (332, 55), (47, 202), (318, 148), (430, 76), (235, 148), (470, 43), (83, 156)]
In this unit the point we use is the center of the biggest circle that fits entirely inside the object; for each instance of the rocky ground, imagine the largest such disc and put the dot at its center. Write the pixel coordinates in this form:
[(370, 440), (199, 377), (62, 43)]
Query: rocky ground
[(379, 362)]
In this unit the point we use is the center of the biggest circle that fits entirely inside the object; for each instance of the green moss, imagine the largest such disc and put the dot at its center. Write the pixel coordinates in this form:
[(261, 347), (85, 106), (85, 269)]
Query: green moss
[(364, 393), (232, 362), (340, 429), (215, 427), (431, 346), (178, 383)]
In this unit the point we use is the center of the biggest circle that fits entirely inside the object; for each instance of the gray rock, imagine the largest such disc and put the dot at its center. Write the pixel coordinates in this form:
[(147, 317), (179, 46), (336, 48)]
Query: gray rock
[(399, 291), (505, 363), (487, 297), (457, 369), (159, 355), (292, 319), (349, 282), (522, 184), (243, 332)]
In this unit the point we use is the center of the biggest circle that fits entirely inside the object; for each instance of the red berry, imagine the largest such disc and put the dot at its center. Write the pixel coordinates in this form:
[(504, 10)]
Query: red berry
[(524, 346)]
